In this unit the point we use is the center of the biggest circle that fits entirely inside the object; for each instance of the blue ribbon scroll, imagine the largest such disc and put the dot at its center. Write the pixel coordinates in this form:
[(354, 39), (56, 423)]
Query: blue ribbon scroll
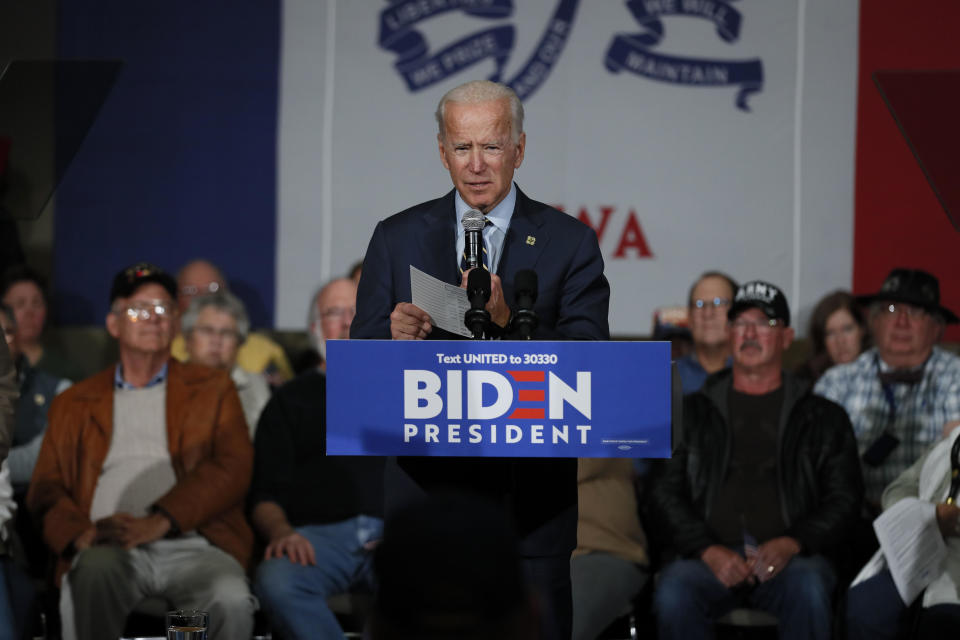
[(420, 68), (631, 52)]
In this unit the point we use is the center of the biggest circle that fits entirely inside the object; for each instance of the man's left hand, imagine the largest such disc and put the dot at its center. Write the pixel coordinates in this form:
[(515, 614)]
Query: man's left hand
[(496, 305), (127, 531), (772, 556)]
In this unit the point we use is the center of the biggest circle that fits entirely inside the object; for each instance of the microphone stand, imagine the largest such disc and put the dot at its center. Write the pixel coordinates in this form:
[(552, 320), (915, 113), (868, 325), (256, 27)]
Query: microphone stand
[(526, 319), (477, 318)]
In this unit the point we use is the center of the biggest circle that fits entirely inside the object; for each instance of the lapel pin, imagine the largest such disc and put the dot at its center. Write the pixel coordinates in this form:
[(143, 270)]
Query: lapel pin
[(531, 240)]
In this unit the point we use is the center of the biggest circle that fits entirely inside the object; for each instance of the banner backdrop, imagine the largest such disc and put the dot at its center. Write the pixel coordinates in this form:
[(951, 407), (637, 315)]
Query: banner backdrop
[(498, 398), (271, 137), (691, 134)]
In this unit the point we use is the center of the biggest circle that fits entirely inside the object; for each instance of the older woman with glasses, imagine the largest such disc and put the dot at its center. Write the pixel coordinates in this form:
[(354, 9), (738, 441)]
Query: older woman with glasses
[(215, 326)]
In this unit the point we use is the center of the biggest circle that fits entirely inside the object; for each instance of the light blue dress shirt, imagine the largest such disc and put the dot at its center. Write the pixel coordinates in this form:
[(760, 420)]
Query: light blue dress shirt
[(493, 234)]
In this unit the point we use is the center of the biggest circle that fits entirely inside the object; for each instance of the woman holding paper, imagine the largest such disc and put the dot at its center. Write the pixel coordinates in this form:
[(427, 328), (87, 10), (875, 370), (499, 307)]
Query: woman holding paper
[(919, 533)]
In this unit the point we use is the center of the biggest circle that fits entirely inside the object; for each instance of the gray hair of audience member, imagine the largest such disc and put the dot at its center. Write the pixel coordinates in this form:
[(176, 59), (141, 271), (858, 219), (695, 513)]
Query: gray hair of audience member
[(479, 91), (221, 301)]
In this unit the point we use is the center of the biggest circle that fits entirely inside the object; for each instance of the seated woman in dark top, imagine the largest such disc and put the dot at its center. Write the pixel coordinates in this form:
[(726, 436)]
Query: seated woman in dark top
[(25, 292)]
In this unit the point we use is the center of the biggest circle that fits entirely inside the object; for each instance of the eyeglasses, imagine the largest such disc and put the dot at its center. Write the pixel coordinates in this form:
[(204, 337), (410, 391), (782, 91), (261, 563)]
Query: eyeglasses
[(335, 313), (192, 290), (913, 312), (700, 304), (210, 332), (141, 311), (762, 328)]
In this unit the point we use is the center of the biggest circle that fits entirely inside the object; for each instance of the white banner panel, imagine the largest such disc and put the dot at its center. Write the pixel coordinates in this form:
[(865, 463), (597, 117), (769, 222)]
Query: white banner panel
[(693, 134)]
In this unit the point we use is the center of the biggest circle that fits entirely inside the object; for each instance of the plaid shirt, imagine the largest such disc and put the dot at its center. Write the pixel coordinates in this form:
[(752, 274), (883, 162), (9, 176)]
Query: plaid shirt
[(916, 415)]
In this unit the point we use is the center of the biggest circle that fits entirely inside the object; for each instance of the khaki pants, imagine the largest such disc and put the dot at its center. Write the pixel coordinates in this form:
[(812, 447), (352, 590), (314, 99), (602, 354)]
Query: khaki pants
[(105, 584)]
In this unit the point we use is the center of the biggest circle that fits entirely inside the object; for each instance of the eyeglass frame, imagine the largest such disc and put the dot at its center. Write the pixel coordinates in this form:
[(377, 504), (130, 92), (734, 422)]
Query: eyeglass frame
[(191, 290), (718, 302), (740, 326), (337, 312), (223, 334), (137, 310)]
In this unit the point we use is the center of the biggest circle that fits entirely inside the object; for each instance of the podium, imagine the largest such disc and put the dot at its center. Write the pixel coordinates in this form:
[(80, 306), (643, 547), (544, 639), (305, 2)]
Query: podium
[(500, 399)]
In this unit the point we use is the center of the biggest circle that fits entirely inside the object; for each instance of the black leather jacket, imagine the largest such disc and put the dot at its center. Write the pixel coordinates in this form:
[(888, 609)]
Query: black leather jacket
[(818, 469)]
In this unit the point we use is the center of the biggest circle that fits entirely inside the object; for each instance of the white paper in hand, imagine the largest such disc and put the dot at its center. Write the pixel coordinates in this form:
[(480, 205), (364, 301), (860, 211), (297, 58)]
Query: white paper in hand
[(912, 545), (445, 303)]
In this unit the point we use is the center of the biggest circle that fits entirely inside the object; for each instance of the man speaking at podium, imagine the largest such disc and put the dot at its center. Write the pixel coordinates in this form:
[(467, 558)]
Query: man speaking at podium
[(481, 144)]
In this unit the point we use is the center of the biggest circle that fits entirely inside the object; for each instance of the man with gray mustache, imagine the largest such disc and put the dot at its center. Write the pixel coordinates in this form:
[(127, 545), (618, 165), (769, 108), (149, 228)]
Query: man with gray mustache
[(762, 486)]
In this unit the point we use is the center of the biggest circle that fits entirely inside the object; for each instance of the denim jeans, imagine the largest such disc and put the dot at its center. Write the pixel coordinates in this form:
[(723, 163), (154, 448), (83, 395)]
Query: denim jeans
[(875, 611), (295, 596), (689, 598)]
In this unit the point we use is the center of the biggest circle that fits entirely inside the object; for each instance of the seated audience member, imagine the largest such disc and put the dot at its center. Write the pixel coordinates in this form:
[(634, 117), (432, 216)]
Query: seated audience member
[(330, 323), (875, 610), (141, 478), (259, 354), (762, 483), (37, 390), (16, 588), (450, 567), (319, 515), (708, 301), (25, 291), (610, 564), (901, 393), (215, 326), (838, 334)]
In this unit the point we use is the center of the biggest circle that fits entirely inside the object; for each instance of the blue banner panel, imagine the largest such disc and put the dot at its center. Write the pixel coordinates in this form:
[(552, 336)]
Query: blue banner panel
[(181, 161), (500, 398)]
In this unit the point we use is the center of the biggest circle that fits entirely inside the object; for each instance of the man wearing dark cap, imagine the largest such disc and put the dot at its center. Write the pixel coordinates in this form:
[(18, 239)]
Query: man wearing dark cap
[(763, 482), (902, 393), (141, 477)]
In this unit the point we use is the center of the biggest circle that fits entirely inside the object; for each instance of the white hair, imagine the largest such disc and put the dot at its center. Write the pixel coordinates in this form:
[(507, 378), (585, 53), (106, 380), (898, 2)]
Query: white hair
[(483, 91), (221, 301)]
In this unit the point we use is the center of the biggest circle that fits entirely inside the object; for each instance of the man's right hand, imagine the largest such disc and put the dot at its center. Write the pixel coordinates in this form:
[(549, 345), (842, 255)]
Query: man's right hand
[(409, 322), (727, 565), (948, 519), (294, 546)]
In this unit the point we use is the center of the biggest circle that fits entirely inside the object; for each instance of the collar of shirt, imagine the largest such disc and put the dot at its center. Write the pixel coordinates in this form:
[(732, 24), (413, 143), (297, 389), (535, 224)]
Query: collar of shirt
[(883, 367), (120, 383), (495, 233)]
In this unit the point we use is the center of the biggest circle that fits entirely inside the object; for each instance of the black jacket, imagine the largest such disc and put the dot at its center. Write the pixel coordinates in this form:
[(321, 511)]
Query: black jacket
[(818, 469)]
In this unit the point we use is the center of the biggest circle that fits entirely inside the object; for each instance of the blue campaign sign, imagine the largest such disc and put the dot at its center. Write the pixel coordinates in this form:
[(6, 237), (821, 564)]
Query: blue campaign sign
[(499, 398)]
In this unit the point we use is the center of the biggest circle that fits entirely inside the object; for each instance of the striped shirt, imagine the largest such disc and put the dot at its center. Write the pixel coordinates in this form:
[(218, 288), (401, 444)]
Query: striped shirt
[(913, 413)]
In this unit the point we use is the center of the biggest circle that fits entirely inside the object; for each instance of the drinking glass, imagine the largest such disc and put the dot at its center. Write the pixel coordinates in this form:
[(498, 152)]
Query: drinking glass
[(187, 624)]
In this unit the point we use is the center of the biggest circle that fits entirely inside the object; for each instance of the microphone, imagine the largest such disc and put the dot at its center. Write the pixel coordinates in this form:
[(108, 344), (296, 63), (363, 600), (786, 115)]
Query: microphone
[(473, 223), (478, 293), (525, 286)]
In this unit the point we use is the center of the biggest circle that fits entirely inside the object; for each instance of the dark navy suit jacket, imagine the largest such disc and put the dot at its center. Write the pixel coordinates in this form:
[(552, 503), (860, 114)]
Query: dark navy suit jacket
[(572, 303)]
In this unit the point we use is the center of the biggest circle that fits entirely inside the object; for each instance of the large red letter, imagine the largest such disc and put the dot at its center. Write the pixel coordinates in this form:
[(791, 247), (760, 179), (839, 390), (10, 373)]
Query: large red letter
[(632, 237), (605, 212)]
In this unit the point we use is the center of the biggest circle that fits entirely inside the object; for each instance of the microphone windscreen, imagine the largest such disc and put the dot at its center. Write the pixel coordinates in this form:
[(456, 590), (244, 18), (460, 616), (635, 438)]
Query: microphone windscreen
[(473, 220), (525, 284)]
